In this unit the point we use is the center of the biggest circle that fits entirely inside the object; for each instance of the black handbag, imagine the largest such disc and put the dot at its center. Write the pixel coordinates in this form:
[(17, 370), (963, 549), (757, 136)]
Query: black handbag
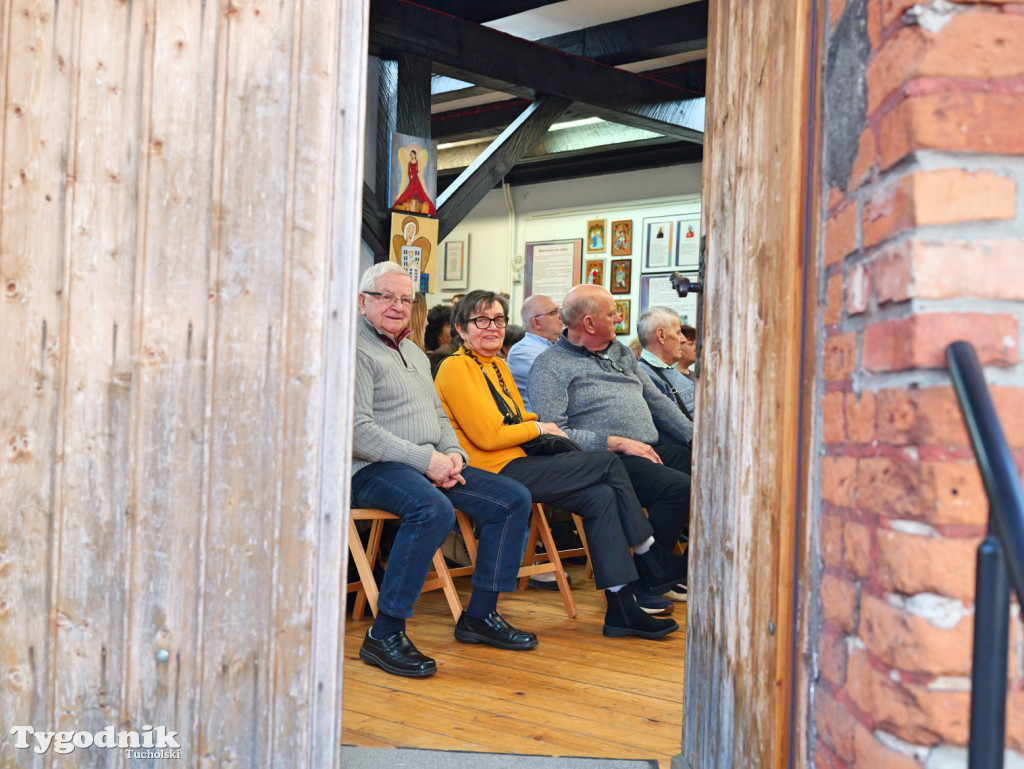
[(541, 446)]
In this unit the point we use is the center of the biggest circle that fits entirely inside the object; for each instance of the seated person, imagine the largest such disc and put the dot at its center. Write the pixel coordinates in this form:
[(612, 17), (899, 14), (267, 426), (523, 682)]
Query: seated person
[(542, 319), (592, 388), (513, 335), (407, 460), (592, 484), (662, 338), (439, 327), (687, 351)]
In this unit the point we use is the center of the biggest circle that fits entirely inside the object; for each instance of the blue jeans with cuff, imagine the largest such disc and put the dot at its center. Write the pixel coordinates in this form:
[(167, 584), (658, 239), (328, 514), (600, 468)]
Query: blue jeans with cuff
[(499, 506)]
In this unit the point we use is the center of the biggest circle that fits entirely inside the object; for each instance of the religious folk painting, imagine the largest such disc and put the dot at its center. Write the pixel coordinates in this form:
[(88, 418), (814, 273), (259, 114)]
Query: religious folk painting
[(622, 308), (593, 272), (414, 248), (622, 237), (413, 180), (621, 272), (595, 235)]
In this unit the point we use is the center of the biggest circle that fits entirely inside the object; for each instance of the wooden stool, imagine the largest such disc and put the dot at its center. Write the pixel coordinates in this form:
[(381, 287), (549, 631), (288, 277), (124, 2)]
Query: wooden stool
[(365, 560), (532, 556), (531, 565)]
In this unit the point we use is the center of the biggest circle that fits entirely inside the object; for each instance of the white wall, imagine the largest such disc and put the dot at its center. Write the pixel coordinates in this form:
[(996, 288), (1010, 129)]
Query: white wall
[(559, 210)]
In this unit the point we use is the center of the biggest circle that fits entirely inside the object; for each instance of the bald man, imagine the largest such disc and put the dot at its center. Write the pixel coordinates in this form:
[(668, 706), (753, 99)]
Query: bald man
[(592, 387), (543, 322)]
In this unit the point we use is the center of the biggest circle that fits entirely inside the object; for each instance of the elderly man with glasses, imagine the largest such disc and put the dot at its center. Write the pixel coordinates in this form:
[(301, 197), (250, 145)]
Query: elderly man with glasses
[(406, 459), (591, 386), (542, 319)]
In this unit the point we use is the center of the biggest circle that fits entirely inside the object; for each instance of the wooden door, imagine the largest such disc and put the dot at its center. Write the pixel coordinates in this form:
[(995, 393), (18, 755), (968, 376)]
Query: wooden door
[(748, 463)]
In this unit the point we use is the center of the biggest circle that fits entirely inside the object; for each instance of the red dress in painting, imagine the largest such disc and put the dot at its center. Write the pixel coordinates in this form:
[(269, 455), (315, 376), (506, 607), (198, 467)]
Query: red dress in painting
[(414, 190)]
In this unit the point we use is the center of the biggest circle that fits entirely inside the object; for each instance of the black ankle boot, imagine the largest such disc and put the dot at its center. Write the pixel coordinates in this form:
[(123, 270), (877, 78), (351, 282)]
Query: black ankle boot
[(624, 617), (659, 569)]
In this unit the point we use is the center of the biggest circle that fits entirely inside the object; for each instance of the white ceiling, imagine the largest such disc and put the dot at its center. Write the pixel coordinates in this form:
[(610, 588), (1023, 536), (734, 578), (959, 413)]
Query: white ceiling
[(576, 14)]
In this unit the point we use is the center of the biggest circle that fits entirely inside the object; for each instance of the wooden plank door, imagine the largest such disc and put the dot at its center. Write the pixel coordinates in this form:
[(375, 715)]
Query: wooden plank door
[(748, 460)]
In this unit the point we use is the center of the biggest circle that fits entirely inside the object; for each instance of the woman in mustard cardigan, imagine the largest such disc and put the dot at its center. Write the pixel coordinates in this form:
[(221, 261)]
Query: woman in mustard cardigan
[(592, 484)]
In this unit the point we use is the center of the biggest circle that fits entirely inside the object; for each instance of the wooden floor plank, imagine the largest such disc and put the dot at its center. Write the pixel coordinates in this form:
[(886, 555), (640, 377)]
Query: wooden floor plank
[(577, 694)]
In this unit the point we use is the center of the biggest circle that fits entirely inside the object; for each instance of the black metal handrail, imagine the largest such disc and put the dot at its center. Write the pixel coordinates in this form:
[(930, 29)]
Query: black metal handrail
[(1000, 558)]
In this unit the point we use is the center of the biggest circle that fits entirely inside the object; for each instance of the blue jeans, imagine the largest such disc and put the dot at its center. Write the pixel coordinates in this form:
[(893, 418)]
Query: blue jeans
[(499, 506)]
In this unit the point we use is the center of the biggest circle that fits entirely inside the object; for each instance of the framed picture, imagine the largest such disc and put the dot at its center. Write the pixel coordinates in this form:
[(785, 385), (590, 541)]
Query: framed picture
[(552, 267), (595, 235), (455, 270), (622, 307), (622, 237), (621, 281), (412, 183), (414, 248), (659, 244), (688, 238), (593, 272), (656, 291)]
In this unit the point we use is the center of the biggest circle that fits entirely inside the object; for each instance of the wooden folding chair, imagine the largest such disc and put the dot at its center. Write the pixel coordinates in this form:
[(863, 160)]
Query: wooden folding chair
[(532, 556), (365, 559), (531, 565)]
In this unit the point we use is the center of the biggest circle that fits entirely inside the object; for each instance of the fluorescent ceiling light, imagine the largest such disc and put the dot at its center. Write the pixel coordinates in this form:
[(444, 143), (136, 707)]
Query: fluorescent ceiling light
[(575, 123)]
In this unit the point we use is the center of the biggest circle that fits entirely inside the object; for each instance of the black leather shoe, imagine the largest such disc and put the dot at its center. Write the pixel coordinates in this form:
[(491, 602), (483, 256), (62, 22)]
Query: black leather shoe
[(492, 630), (396, 654)]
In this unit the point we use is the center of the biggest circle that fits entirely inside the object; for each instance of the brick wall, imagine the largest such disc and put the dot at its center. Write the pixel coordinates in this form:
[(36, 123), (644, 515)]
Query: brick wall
[(923, 245)]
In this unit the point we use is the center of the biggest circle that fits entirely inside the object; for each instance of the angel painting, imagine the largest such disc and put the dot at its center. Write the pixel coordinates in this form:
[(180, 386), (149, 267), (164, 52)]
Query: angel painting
[(412, 160)]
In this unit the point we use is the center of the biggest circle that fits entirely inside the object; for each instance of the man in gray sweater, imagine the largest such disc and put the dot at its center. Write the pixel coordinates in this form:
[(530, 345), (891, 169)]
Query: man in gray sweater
[(406, 459), (592, 387)]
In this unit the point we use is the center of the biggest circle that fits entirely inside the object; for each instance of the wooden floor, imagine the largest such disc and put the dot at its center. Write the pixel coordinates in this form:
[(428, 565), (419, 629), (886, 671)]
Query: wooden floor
[(577, 694)]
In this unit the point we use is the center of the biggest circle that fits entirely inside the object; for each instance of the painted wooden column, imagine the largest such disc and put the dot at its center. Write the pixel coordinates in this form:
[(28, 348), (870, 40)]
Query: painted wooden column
[(178, 271)]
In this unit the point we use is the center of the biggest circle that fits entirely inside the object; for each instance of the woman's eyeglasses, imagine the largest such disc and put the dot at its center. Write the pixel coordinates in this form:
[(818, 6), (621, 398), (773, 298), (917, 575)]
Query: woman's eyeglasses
[(482, 321)]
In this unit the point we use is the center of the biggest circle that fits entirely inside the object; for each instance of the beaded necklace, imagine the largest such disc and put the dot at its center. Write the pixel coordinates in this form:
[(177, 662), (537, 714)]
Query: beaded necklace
[(501, 380)]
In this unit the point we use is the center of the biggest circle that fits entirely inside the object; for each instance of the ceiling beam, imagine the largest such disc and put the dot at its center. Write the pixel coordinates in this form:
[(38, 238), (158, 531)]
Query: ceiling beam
[(663, 33), (376, 226), (552, 168), (480, 12), (459, 48), (493, 163)]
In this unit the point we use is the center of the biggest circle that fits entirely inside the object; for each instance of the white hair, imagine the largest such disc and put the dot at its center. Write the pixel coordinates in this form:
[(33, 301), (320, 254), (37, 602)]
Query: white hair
[(369, 280), (653, 319)]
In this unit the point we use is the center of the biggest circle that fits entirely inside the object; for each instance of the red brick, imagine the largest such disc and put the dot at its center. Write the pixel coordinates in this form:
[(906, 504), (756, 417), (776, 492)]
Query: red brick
[(833, 424), (911, 712), (893, 10), (911, 643), (953, 195), (939, 420), (1015, 721), (955, 121), (995, 270), (837, 478), (831, 536), (834, 300), (913, 564), (976, 45), (893, 274), (860, 417), (870, 753), (897, 416), (834, 724), (945, 196), (921, 340), (839, 602), (835, 12), (832, 657), (840, 357), (895, 488), (895, 64), (858, 289), (875, 23), (889, 211), (959, 494), (841, 234), (857, 555)]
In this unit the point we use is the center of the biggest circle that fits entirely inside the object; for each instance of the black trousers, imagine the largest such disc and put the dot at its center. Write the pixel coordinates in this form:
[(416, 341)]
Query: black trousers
[(663, 489), (595, 486)]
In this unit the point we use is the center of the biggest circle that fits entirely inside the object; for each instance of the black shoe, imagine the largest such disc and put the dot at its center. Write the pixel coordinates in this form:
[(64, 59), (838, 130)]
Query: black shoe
[(652, 604), (624, 617), (492, 630), (540, 584), (396, 654), (659, 569)]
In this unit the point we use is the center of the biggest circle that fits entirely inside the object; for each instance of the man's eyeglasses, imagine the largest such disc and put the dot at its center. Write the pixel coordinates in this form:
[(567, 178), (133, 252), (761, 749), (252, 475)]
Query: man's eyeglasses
[(482, 321), (550, 312), (609, 361), (388, 298)]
